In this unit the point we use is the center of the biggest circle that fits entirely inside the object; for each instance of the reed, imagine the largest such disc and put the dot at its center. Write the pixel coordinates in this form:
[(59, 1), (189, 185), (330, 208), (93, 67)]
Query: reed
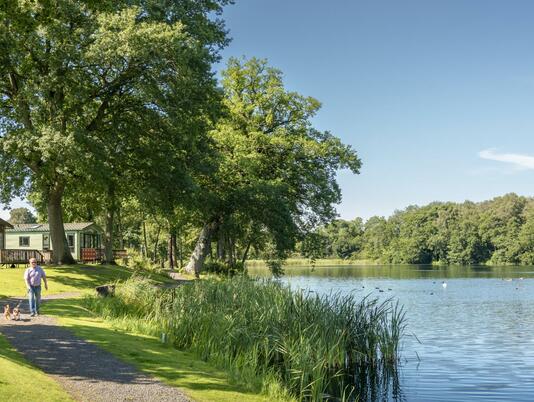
[(303, 345)]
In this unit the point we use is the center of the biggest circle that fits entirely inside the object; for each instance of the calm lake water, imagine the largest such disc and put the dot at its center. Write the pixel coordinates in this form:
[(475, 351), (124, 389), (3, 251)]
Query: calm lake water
[(474, 339)]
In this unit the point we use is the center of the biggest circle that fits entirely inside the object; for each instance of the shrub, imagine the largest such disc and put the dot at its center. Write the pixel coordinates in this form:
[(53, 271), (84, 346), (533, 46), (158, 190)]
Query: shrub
[(223, 268)]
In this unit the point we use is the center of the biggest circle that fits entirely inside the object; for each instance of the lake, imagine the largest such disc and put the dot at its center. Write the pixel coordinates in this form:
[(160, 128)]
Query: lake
[(472, 340)]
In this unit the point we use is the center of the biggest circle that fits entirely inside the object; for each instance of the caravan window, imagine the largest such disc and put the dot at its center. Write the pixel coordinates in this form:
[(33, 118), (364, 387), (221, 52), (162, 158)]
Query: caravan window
[(24, 241), (46, 242), (70, 241)]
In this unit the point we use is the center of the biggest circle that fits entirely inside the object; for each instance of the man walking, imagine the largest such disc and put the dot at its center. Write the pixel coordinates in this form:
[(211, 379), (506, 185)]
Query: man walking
[(32, 277)]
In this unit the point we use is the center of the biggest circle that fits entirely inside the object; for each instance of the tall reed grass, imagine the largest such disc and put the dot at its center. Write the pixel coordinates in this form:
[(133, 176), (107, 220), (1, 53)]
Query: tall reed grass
[(302, 345)]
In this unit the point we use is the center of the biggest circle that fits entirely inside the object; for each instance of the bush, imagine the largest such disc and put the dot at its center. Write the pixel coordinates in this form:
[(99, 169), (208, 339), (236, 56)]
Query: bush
[(223, 268), (140, 264)]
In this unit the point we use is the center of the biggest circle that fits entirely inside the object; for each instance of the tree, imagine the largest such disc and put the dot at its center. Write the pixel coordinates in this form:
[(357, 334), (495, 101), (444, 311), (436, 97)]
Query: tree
[(276, 172), (21, 215), (74, 74)]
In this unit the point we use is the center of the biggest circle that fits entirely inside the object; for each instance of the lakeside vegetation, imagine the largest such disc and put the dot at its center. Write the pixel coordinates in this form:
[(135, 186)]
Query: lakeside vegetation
[(287, 344), (496, 232)]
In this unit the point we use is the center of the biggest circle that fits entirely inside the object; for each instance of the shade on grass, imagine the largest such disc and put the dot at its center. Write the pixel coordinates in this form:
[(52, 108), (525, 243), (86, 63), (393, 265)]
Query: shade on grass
[(20, 381)]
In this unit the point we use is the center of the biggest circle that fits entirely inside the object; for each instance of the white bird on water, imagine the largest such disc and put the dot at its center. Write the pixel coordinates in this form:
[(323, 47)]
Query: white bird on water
[(444, 284)]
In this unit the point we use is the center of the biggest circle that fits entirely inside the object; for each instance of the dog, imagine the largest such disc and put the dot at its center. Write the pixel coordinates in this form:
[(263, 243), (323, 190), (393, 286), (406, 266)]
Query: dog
[(7, 312), (16, 312)]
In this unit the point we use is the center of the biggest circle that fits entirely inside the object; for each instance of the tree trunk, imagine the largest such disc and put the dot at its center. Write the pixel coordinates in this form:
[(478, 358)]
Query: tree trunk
[(230, 251), (221, 245), (145, 245), (156, 243), (202, 248), (170, 252), (61, 252), (245, 254), (110, 214), (176, 252), (119, 229)]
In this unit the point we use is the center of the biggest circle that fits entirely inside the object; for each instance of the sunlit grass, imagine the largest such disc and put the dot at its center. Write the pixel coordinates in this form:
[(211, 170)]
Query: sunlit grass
[(198, 379), (69, 278), (20, 381)]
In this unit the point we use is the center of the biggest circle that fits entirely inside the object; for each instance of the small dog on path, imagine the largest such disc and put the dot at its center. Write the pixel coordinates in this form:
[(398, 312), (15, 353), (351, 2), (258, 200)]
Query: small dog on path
[(16, 312), (7, 312)]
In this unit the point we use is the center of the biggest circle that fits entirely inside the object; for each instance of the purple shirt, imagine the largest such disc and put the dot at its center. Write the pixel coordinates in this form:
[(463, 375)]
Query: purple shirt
[(33, 275)]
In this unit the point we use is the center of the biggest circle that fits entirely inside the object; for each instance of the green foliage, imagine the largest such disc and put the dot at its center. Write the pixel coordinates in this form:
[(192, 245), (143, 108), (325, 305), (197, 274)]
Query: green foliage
[(21, 215), (106, 100), (140, 264), (224, 269), (499, 231), (276, 174), (312, 346)]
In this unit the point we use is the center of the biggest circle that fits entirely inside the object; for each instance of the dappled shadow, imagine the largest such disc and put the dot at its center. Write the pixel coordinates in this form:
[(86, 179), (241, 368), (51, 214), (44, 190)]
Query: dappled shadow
[(57, 351), (143, 352)]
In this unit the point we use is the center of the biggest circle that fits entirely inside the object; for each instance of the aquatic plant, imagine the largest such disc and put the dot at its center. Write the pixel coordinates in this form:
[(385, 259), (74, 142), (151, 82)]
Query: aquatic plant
[(300, 344)]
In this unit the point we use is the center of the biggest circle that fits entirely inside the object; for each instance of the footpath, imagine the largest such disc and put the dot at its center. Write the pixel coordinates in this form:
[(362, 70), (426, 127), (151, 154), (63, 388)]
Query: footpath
[(85, 371)]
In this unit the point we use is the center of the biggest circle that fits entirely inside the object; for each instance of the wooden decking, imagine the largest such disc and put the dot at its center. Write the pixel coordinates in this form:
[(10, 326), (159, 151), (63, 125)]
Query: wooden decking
[(9, 257), (14, 257)]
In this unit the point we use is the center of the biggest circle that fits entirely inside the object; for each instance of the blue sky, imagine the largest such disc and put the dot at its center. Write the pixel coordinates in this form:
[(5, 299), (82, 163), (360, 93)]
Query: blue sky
[(437, 97)]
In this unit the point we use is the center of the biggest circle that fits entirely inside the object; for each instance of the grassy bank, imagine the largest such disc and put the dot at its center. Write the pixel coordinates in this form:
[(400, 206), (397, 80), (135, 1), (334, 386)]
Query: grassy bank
[(289, 345)]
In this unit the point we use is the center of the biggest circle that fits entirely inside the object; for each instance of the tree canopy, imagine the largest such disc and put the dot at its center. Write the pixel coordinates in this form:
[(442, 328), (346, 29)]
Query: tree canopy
[(76, 75), (21, 215), (276, 173), (499, 231)]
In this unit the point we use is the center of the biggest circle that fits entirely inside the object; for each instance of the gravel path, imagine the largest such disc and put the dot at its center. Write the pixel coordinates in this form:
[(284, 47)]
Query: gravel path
[(87, 372)]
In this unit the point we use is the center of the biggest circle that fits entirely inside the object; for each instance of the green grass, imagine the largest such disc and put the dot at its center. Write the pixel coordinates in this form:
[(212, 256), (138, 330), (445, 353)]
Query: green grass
[(20, 381), (198, 379), (69, 278), (284, 342)]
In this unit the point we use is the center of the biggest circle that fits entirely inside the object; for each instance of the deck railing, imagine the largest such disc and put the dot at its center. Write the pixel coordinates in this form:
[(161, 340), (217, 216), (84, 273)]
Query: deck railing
[(8, 256)]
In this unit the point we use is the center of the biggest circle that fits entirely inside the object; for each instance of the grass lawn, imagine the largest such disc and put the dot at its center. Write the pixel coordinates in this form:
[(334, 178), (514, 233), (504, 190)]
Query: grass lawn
[(67, 278), (198, 379), (20, 381)]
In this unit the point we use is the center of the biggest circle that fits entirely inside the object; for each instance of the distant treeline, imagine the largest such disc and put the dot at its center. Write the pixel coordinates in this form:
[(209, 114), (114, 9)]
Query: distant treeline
[(499, 231)]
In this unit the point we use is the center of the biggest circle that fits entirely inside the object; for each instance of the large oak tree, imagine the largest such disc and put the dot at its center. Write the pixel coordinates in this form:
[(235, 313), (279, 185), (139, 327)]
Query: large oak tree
[(276, 176), (92, 88)]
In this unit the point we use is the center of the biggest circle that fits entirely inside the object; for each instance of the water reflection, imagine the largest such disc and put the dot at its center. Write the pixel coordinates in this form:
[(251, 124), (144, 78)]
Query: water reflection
[(475, 335)]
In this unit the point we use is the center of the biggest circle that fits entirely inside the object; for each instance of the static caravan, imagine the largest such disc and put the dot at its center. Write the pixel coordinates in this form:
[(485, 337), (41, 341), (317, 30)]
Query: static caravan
[(3, 226), (84, 239)]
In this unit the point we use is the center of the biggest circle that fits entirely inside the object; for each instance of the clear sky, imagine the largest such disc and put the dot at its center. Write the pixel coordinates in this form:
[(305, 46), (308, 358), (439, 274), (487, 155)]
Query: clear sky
[(437, 97)]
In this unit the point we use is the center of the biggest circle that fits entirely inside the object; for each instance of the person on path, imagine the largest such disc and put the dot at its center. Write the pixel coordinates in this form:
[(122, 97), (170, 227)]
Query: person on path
[(32, 277)]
